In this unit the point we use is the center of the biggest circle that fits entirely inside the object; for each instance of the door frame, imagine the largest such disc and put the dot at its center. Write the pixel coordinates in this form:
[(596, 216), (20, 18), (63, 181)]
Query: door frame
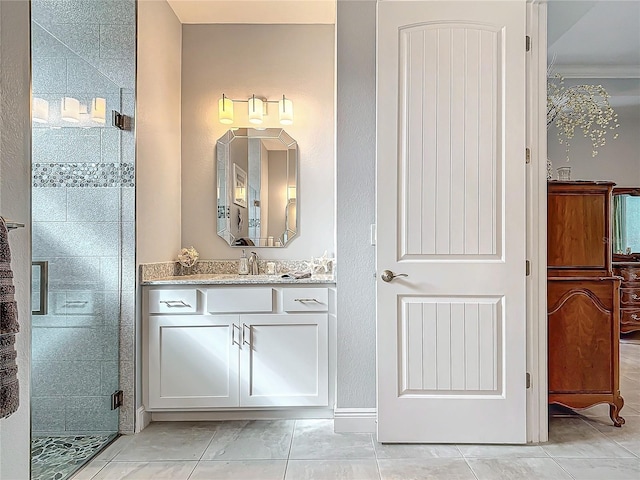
[(536, 132)]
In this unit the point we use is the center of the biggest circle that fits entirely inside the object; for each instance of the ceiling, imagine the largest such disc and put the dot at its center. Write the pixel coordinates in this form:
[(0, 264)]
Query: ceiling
[(597, 42), (255, 11)]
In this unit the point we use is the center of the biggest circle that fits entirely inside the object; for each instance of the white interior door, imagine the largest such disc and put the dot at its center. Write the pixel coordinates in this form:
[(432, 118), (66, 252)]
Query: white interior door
[(451, 216)]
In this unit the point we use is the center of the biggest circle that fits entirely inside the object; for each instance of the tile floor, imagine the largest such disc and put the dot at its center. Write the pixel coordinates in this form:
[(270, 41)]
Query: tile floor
[(582, 446)]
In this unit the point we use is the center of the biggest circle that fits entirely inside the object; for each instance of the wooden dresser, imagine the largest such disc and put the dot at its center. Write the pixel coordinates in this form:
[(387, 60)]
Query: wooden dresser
[(583, 298), (629, 295), (626, 257)]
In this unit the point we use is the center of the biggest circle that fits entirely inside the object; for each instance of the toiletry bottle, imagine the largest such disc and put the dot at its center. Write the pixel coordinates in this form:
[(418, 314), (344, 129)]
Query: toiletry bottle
[(243, 265)]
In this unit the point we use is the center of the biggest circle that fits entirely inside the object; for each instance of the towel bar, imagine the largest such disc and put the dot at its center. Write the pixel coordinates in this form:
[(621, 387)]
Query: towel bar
[(11, 225)]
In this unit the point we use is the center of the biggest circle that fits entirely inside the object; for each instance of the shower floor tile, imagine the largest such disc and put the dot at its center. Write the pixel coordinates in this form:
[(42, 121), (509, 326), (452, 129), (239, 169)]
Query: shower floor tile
[(56, 458)]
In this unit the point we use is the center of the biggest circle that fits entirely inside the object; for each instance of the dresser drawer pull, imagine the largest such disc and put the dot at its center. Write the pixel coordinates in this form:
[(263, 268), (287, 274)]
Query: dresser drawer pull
[(306, 300), (175, 303), (635, 317), (635, 296)]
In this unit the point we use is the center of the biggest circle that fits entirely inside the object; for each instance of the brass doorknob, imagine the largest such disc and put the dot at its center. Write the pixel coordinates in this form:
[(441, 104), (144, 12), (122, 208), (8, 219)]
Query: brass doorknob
[(388, 275)]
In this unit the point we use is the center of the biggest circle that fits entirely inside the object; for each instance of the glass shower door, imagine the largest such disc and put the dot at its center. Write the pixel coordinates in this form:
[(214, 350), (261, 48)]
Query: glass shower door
[(83, 62)]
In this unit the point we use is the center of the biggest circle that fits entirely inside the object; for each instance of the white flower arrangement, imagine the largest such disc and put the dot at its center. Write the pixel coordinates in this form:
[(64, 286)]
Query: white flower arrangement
[(582, 107), (188, 257)]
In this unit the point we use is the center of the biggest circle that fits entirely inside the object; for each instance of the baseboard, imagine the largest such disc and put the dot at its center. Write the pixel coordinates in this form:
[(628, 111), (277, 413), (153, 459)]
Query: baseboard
[(290, 413), (143, 419), (355, 420)]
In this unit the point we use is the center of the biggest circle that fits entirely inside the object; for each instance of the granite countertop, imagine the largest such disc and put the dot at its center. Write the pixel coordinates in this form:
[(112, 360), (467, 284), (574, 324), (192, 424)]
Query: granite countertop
[(235, 279)]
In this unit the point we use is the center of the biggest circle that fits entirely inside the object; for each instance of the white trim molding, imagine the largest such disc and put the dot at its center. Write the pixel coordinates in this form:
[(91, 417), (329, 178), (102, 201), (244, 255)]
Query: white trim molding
[(355, 420), (597, 71), (537, 401), (143, 419)]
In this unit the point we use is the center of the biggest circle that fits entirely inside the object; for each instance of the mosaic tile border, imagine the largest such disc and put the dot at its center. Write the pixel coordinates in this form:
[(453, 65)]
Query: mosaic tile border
[(157, 271), (59, 457), (83, 175)]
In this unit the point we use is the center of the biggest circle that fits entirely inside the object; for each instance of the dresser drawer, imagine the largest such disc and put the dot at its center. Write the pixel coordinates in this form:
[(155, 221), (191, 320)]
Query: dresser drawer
[(173, 301), (238, 300), (629, 274), (630, 297), (305, 299), (630, 316)]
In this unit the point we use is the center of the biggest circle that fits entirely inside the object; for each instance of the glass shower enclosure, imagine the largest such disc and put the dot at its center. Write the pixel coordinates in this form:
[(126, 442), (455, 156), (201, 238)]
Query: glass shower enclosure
[(83, 68)]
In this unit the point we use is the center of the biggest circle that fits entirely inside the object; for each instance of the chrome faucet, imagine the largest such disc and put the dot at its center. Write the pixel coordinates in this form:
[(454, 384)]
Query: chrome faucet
[(253, 264)]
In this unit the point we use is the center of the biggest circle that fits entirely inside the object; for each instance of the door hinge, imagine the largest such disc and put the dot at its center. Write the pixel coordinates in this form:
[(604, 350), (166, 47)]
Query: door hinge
[(528, 380), (527, 155), (117, 399), (528, 43), (120, 120), (527, 268)]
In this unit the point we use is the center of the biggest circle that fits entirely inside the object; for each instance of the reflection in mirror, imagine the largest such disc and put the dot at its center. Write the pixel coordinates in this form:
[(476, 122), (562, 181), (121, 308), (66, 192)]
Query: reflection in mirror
[(257, 187), (626, 221)]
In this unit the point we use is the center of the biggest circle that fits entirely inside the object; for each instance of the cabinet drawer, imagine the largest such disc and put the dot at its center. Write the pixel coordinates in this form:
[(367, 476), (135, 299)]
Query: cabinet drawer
[(305, 300), (630, 297), (173, 301), (630, 316), (629, 274), (225, 300)]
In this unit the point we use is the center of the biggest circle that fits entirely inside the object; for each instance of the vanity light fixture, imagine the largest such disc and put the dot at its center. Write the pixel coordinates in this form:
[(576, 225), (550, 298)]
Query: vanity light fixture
[(70, 109), (225, 110), (99, 110), (40, 113), (256, 110), (291, 193), (285, 111)]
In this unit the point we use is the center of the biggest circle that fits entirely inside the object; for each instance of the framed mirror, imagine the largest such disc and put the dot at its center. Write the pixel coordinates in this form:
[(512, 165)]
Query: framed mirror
[(257, 187), (626, 224)]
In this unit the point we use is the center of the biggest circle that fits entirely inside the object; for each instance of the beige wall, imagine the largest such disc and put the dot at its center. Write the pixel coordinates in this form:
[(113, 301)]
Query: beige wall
[(15, 204), (268, 60), (157, 144), (158, 132), (617, 161)]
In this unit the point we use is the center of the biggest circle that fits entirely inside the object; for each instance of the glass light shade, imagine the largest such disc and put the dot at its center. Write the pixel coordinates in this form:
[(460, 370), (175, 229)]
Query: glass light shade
[(40, 112), (225, 110), (256, 110), (291, 192), (70, 110), (99, 110), (285, 111)]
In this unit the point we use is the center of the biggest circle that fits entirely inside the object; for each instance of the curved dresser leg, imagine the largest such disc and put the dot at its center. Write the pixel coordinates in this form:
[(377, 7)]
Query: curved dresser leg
[(614, 411)]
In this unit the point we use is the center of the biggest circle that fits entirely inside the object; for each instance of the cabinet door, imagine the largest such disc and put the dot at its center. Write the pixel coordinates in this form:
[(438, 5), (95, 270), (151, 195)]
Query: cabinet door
[(285, 360), (193, 361)]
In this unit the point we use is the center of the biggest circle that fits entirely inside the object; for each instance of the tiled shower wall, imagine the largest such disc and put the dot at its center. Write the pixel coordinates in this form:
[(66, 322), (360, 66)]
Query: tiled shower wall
[(83, 217)]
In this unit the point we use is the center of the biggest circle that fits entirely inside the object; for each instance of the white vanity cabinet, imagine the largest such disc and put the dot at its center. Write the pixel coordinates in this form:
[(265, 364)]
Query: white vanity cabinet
[(236, 347), (193, 361)]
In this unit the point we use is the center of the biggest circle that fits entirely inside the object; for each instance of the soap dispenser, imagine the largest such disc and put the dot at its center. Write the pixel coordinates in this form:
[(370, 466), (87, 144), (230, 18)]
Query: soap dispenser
[(243, 265)]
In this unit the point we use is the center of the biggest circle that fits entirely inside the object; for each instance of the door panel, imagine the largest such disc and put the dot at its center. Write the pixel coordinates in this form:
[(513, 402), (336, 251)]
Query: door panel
[(193, 361), (450, 345), (285, 360), (450, 214), (450, 133)]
